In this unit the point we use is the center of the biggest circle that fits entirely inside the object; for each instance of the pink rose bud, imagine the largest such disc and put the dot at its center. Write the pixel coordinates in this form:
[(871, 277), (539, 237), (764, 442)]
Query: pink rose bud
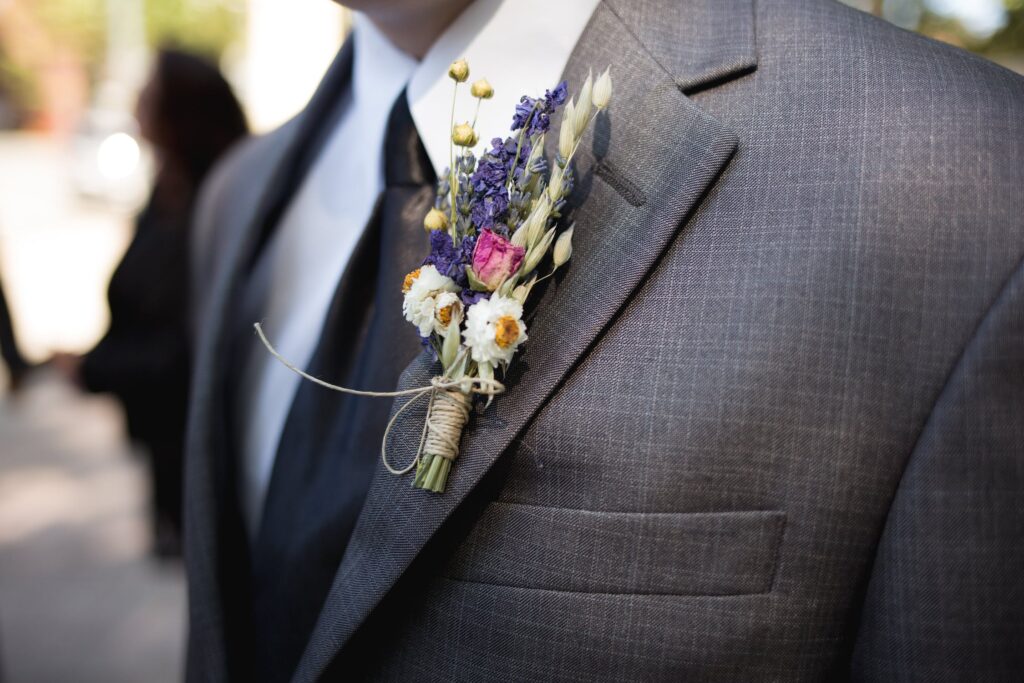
[(495, 258)]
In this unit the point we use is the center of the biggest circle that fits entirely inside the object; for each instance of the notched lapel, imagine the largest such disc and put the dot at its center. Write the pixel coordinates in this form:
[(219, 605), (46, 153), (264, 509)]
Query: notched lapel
[(646, 165)]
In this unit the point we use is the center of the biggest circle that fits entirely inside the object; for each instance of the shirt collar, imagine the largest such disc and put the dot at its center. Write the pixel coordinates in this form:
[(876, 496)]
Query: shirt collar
[(380, 70), (521, 47)]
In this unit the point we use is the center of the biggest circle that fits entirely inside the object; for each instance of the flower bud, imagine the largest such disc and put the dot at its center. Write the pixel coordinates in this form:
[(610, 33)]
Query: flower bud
[(482, 89), (582, 107), (538, 220), (534, 256), (435, 220), (567, 132), (459, 71), (521, 292), (495, 259), (463, 135), (555, 184), (603, 89), (519, 237), (563, 247)]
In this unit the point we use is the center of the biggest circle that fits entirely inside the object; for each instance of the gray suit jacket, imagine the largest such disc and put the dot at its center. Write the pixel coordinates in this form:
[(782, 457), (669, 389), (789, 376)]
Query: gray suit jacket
[(769, 424)]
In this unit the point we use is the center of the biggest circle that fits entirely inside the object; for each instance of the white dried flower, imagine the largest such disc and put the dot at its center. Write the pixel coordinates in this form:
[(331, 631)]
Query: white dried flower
[(422, 288), (447, 310), (563, 247), (494, 329)]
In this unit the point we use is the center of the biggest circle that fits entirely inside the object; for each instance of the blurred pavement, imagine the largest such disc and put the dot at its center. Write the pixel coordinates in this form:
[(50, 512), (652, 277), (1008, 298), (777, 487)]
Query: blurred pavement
[(80, 600)]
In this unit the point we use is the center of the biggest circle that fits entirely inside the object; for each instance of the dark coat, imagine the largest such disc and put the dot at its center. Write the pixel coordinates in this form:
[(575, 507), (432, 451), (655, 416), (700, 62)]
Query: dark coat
[(144, 357), (767, 426)]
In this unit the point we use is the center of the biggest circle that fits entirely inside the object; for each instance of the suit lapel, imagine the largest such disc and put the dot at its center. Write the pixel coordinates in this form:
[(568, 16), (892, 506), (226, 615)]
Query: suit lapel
[(644, 169), (214, 545)]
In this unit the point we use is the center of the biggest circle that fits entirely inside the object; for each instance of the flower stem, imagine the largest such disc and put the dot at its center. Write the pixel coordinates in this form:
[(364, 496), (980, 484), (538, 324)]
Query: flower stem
[(577, 144), (476, 114), (451, 165)]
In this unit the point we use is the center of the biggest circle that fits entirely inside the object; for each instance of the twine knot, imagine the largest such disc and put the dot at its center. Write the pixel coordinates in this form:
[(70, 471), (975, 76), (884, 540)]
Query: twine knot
[(447, 413)]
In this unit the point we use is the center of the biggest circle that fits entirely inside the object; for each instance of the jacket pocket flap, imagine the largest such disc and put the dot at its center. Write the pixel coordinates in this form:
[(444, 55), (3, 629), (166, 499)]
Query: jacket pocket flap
[(654, 553)]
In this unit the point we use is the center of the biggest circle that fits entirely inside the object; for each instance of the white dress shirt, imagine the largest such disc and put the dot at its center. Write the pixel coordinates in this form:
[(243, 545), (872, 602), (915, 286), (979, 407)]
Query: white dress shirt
[(520, 46)]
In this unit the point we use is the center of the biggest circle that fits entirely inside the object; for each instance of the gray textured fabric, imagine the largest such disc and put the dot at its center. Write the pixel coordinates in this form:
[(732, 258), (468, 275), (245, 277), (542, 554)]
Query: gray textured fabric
[(768, 425)]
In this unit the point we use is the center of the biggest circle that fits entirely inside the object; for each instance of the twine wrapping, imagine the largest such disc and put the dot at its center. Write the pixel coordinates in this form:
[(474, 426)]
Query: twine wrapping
[(447, 415)]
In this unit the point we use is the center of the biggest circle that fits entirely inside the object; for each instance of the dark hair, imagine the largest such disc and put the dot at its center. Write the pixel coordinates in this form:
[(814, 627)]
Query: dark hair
[(194, 113)]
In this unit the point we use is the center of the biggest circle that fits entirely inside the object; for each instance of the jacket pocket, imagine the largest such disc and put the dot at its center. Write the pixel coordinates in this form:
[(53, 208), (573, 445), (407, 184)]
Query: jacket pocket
[(644, 553)]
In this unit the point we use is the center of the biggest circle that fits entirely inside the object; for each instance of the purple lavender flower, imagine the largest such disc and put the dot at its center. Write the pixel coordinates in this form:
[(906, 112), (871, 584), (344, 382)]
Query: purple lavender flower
[(470, 297), (488, 211), (556, 98), (489, 181), (535, 114), (449, 259), (523, 111)]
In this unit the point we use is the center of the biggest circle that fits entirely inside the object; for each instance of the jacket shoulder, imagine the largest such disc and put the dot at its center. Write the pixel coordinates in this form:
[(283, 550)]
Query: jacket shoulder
[(230, 192), (832, 39)]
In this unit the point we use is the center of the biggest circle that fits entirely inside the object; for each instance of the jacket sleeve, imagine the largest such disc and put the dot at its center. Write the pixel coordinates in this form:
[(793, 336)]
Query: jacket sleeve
[(945, 599)]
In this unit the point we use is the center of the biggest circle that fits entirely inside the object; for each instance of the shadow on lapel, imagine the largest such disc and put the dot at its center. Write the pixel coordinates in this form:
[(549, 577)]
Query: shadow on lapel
[(643, 170)]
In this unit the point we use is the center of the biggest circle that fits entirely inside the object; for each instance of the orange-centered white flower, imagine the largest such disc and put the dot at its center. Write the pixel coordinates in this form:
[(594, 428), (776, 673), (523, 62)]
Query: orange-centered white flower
[(494, 329), (447, 309), (422, 288)]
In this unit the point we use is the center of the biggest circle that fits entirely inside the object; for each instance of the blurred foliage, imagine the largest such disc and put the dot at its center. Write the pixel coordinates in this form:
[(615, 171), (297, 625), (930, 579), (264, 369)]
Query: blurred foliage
[(921, 16), (1010, 38), (206, 26), (36, 36), (78, 24), (203, 26)]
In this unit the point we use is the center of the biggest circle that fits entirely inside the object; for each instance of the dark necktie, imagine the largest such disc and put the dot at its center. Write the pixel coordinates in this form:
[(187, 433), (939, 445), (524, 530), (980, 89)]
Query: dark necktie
[(330, 444)]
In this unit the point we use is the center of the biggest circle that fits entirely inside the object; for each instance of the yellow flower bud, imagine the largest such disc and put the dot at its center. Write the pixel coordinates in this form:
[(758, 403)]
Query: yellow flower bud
[(482, 89), (435, 220), (459, 71), (463, 135)]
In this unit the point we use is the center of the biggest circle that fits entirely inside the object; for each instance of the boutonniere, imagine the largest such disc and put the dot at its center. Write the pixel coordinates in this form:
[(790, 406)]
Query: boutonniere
[(494, 234)]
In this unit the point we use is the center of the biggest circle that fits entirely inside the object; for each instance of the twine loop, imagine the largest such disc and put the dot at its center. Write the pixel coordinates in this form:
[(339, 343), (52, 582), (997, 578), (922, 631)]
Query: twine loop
[(447, 412)]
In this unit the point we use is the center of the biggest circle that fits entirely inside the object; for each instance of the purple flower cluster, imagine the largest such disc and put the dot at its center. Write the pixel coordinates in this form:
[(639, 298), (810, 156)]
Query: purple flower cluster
[(488, 183), (449, 259), (490, 180), (452, 261), (535, 115)]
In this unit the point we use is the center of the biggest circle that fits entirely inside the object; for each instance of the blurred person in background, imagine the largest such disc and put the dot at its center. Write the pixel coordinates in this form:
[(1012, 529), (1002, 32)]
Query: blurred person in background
[(16, 364), (189, 114)]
